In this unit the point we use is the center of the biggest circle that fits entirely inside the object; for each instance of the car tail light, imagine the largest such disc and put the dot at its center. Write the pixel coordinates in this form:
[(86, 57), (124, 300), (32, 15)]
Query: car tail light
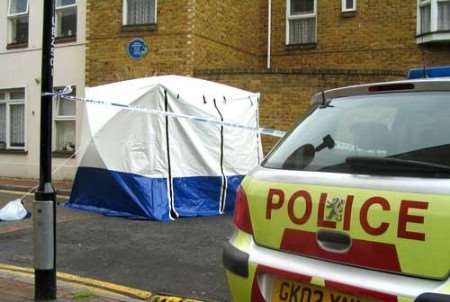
[(242, 213)]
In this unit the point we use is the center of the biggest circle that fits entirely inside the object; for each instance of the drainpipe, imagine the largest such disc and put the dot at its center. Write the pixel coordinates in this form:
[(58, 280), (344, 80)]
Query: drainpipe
[(269, 34)]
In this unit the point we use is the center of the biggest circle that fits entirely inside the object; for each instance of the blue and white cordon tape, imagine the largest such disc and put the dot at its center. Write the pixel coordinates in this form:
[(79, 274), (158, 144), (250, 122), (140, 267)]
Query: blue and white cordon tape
[(264, 131)]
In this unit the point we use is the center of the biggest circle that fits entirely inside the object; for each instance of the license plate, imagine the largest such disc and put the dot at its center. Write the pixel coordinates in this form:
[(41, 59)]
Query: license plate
[(290, 291)]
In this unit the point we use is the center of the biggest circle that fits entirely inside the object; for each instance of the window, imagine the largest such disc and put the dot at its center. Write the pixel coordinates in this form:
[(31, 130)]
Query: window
[(348, 6), (444, 15), (301, 22), (139, 12), (18, 22), (66, 18), (65, 123), (12, 119), (407, 127), (425, 16), (433, 19)]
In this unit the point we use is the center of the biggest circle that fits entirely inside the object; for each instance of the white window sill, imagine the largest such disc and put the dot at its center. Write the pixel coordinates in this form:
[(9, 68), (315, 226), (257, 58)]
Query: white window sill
[(348, 13), (433, 37), (126, 28), (292, 45), (14, 151), (63, 154)]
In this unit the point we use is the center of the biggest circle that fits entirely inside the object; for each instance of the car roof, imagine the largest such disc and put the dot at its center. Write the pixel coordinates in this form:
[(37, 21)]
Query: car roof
[(434, 84)]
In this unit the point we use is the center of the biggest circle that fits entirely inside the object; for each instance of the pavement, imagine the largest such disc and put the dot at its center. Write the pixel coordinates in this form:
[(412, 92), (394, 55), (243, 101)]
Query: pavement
[(17, 285), (177, 259)]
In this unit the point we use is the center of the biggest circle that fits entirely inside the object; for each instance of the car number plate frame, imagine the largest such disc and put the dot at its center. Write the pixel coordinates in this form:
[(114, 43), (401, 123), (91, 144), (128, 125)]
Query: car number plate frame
[(292, 291)]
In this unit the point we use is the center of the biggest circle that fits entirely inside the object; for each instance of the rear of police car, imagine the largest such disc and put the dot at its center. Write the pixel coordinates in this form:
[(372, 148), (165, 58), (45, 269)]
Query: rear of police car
[(353, 205)]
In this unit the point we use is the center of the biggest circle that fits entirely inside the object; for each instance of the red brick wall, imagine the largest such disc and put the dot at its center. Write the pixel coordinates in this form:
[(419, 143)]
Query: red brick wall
[(226, 41), (286, 96), (229, 33), (170, 42), (379, 36)]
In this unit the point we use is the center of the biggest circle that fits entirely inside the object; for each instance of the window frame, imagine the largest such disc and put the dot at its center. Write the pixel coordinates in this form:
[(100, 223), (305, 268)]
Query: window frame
[(345, 9), (125, 15), (63, 118), (62, 8), (291, 141), (434, 17), (8, 102), (11, 17), (17, 14), (290, 17)]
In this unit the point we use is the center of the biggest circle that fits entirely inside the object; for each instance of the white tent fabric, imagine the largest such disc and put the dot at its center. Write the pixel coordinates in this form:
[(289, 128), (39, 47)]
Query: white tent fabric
[(148, 166)]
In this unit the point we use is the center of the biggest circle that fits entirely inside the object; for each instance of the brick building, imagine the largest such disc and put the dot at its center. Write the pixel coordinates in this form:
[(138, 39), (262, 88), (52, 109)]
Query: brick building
[(285, 49), (287, 52)]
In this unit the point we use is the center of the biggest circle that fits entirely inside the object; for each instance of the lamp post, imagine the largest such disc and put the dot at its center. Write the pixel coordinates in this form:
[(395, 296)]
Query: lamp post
[(44, 206)]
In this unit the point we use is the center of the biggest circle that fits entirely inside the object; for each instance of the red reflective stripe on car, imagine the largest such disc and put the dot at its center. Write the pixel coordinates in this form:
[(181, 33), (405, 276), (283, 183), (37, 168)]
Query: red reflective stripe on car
[(256, 292), (284, 274), (364, 253), (241, 216), (360, 291)]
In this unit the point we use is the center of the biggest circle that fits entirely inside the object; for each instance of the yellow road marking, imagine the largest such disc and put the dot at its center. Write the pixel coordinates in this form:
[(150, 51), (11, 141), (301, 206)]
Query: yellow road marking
[(16, 192), (27, 193), (105, 285), (85, 281), (8, 267), (159, 298), (116, 288)]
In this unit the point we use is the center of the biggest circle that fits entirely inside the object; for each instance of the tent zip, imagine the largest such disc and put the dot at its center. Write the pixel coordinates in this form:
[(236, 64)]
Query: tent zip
[(258, 134), (224, 186), (172, 212)]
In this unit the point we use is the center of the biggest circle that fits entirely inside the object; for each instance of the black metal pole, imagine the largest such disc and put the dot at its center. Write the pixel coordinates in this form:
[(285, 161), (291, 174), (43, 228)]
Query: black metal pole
[(44, 207)]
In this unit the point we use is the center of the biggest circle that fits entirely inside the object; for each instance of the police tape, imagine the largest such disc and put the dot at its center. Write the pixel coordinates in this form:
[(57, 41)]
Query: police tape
[(264, 131)]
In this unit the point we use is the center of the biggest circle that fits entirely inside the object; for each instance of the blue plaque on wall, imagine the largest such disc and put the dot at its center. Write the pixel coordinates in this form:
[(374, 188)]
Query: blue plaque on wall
[(137, 49)]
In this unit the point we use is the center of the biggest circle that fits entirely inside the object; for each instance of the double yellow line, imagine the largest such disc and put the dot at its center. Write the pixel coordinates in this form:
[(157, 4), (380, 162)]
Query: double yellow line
[(99, 285)]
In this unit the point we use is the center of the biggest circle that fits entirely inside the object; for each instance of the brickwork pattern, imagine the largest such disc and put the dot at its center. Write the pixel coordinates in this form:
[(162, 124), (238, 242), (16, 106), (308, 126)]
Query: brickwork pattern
[(377, 37), (286, 96), (213, 34), (169, 42), (229, 33), (226, 41)]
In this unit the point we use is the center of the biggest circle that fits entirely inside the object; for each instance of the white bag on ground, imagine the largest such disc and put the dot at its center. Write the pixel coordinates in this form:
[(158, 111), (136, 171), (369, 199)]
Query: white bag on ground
[(13, 210)]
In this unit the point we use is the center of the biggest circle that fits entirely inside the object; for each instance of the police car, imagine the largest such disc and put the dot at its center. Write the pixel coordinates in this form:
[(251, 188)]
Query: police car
[(353, 205)]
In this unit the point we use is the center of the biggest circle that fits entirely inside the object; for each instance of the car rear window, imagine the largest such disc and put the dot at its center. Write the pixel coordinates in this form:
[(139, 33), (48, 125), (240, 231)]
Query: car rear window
[(405, 127)]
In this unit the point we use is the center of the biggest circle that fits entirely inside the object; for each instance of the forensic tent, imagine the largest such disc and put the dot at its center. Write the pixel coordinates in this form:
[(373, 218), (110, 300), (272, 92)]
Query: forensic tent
[(142, 163)]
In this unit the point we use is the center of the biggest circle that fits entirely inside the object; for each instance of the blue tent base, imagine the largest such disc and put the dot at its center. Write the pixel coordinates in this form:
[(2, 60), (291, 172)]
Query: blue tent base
[(103, 211), (135, 196)]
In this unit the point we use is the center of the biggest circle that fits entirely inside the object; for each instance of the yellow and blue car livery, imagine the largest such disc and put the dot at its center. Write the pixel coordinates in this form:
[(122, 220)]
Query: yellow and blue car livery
[(374, 225)]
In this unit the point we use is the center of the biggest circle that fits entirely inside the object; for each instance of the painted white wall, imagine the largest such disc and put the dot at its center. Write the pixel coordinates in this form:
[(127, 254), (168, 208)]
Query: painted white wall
[(22, 68)]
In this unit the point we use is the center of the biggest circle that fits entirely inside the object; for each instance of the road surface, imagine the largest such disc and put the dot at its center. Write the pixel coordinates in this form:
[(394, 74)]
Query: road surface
[(181, 258)]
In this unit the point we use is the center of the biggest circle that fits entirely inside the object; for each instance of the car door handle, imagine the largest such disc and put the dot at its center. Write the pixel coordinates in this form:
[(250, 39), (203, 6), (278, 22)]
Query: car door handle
[(333, 241)]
